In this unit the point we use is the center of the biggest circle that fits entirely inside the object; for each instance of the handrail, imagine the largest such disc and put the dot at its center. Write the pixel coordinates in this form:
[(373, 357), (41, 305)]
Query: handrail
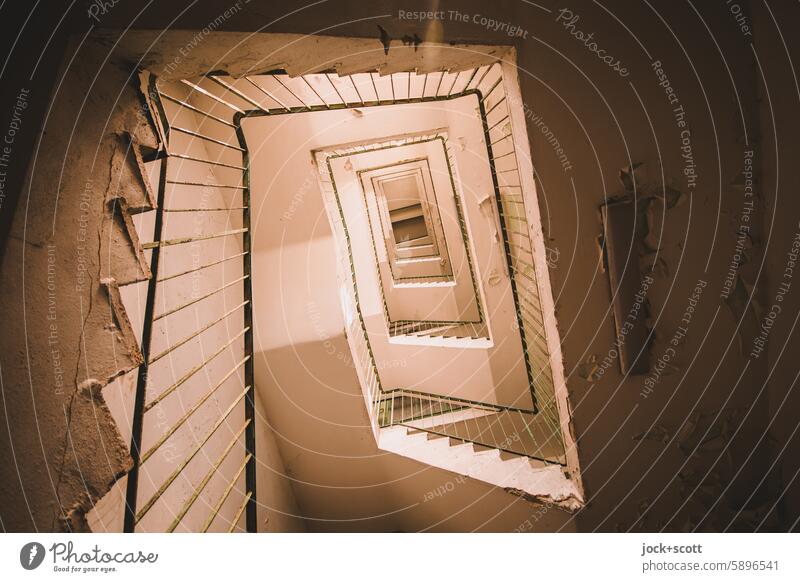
[(231, 397), (382, 404), (487, 424), (508, 429), (486, 444), (472, 403)]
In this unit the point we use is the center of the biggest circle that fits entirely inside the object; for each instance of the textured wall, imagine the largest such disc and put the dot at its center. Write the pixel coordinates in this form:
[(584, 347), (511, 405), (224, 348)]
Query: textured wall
[(71, 335)]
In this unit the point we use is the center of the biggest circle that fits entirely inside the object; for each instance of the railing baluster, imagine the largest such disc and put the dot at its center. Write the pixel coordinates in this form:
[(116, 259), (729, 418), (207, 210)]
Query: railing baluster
[(188, 414), (325, 103), (204, 161), (191, 239), (199, 89), (453, 84), (471, 77), (192, 372), (355, 88), (225, 494), (240, 511), (193, 301), (493, 107), (282, 84), (174, 475), (195, 109), (205, 185), (439, 84), (202, 485), (201, 267), (221, 209), (328, 76), (205, 138), (374, 87), (496, 123)]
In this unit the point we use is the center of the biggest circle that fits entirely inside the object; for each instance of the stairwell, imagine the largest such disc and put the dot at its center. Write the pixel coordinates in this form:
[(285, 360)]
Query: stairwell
[(518, 474), (470, 380)]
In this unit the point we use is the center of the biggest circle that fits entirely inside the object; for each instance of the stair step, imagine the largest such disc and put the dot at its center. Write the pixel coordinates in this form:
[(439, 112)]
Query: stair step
[(537, 463), (418, 434), (429, 435), (485, 451), (506, 456)]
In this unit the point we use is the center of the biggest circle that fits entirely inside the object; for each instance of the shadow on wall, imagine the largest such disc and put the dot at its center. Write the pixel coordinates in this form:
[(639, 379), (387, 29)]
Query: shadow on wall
[(343, 482)]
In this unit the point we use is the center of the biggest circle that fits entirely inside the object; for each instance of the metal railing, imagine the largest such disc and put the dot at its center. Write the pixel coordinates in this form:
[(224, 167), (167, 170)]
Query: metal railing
[(516, 233), (209, 111), (193, 432), (420, 139), (517, 431), (487, 83), (443, 329)]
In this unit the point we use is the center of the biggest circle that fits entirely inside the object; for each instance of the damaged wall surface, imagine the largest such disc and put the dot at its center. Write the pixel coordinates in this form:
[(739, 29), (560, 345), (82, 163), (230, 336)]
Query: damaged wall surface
[(67, 253)]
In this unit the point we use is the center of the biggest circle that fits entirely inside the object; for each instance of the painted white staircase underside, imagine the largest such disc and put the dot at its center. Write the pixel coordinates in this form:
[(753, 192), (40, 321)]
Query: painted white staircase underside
[(539, 480)]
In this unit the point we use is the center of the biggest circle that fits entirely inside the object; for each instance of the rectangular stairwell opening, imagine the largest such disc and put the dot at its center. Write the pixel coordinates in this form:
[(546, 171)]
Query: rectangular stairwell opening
[(440, 266)]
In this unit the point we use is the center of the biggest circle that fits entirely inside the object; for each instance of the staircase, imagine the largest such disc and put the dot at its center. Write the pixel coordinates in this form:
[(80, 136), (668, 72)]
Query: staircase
[(193, 428), (198, 390), (440, 334), (481, 405), (518, 450), (534, 479)]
